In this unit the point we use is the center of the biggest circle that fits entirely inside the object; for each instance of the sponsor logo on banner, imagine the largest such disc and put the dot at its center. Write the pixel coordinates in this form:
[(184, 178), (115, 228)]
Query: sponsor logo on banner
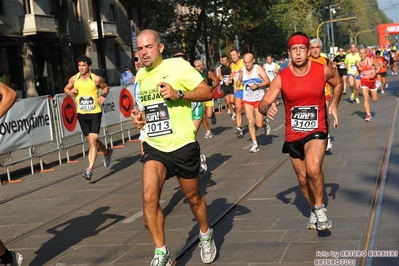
[(69, 114), (126, 103)]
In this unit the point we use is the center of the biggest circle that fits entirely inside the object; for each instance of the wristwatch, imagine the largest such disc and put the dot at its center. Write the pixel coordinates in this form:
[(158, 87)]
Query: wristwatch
[(180, 93), (104, 95)]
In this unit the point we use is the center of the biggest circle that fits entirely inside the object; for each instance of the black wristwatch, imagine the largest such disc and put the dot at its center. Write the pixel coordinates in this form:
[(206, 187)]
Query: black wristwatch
[(104, 95), (265, 111), (180, 93)]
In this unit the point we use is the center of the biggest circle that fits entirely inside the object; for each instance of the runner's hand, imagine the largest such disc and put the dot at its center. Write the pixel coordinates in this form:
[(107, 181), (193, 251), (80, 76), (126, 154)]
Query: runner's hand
[(138, 118), (273, 110)]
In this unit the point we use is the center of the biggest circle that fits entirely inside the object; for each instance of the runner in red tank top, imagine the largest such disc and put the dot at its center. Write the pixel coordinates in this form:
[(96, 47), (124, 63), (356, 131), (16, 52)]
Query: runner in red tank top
[(382, 74), (302, 87), (368, 69)]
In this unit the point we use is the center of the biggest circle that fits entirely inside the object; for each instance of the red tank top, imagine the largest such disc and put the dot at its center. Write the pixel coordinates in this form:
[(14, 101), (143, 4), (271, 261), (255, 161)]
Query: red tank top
[(382, 61), (304, 101), (366, 71)]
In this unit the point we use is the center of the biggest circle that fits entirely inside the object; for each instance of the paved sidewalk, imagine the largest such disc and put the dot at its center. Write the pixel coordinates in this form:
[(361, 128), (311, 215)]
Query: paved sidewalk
[(67, 220)]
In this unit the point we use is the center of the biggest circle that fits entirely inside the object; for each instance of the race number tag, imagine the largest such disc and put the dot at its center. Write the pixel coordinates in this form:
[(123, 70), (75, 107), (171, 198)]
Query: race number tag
[(304, 118), (86, 103), (353, 68), (157, 119)]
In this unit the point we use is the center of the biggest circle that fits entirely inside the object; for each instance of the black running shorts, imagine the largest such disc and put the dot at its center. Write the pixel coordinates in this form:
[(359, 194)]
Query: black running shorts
[(90, 123), (183, 162), (296, 148)]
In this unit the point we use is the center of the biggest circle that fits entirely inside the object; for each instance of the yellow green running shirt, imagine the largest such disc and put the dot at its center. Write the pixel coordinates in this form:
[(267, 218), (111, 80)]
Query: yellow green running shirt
[(351, 61), (169, 124)]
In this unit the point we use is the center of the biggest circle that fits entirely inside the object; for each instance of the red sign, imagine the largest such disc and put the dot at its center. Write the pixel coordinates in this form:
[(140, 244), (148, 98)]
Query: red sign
[(126, 103), (68, 113)]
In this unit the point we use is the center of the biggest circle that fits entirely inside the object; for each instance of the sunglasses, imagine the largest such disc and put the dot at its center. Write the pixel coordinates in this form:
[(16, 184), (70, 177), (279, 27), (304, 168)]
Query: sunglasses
[(136, 59)]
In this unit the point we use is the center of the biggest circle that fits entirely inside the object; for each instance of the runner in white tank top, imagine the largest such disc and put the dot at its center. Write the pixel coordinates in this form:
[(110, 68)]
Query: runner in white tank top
[(254, 80)]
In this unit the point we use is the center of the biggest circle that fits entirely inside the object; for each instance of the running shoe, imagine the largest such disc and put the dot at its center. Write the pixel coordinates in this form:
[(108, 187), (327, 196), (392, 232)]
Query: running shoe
[(357, 100), (352, 98), (254, 148), (368, 118), (323, 222), (329, 144), (203, 165), (161, 259), (17, 259), (233, 117), (213, 119), (238, 132), (386, 86), (208, 135), (107, 159), (382, 92), (344, 92), (312, 220), (228, 112), (267, 127), (208, 248), (87, 174)]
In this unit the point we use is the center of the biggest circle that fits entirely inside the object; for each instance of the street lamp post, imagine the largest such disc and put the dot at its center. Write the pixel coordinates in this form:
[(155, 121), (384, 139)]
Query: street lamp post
[(331, 8)]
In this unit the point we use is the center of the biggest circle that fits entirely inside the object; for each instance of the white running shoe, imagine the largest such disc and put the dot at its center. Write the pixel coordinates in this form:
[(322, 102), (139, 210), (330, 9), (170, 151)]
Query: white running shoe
[(312, 223), (254, 148), (329, 144), (161, 259), (323, 222), (208, 248), (238, 132), (233, 117), (267, 127), (228, 111), (203, 165), (208, 135)]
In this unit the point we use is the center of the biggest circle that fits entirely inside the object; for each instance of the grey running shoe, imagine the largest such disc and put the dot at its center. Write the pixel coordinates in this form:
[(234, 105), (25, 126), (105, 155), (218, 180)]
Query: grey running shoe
[(17, 259), (238, 132), (208, 135), (267, 127), (208, 248), (107, 159), (213, 119), (323, 222), (254, 148), (161, 259), (312, 221), (87, 174)]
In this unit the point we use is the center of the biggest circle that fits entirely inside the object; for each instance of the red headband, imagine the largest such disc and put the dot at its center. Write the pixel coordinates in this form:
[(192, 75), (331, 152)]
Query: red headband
[(298, 39)]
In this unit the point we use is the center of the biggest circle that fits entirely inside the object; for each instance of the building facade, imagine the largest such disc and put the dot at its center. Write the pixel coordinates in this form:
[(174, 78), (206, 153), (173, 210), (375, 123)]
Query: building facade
[(31, 60)]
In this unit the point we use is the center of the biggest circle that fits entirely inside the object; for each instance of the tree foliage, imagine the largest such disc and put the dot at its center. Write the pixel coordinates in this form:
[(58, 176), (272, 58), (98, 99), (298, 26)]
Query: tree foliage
[(262, 26)]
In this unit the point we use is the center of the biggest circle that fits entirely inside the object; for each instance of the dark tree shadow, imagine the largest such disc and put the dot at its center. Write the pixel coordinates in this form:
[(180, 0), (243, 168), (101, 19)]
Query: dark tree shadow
[(118, 165), (72, 232), (299, 200)]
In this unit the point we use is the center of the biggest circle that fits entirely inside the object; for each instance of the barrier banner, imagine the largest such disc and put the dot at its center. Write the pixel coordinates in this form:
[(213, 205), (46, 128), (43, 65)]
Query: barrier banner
[(118, 106), (116, 109), (27, 123), (68, 116)]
